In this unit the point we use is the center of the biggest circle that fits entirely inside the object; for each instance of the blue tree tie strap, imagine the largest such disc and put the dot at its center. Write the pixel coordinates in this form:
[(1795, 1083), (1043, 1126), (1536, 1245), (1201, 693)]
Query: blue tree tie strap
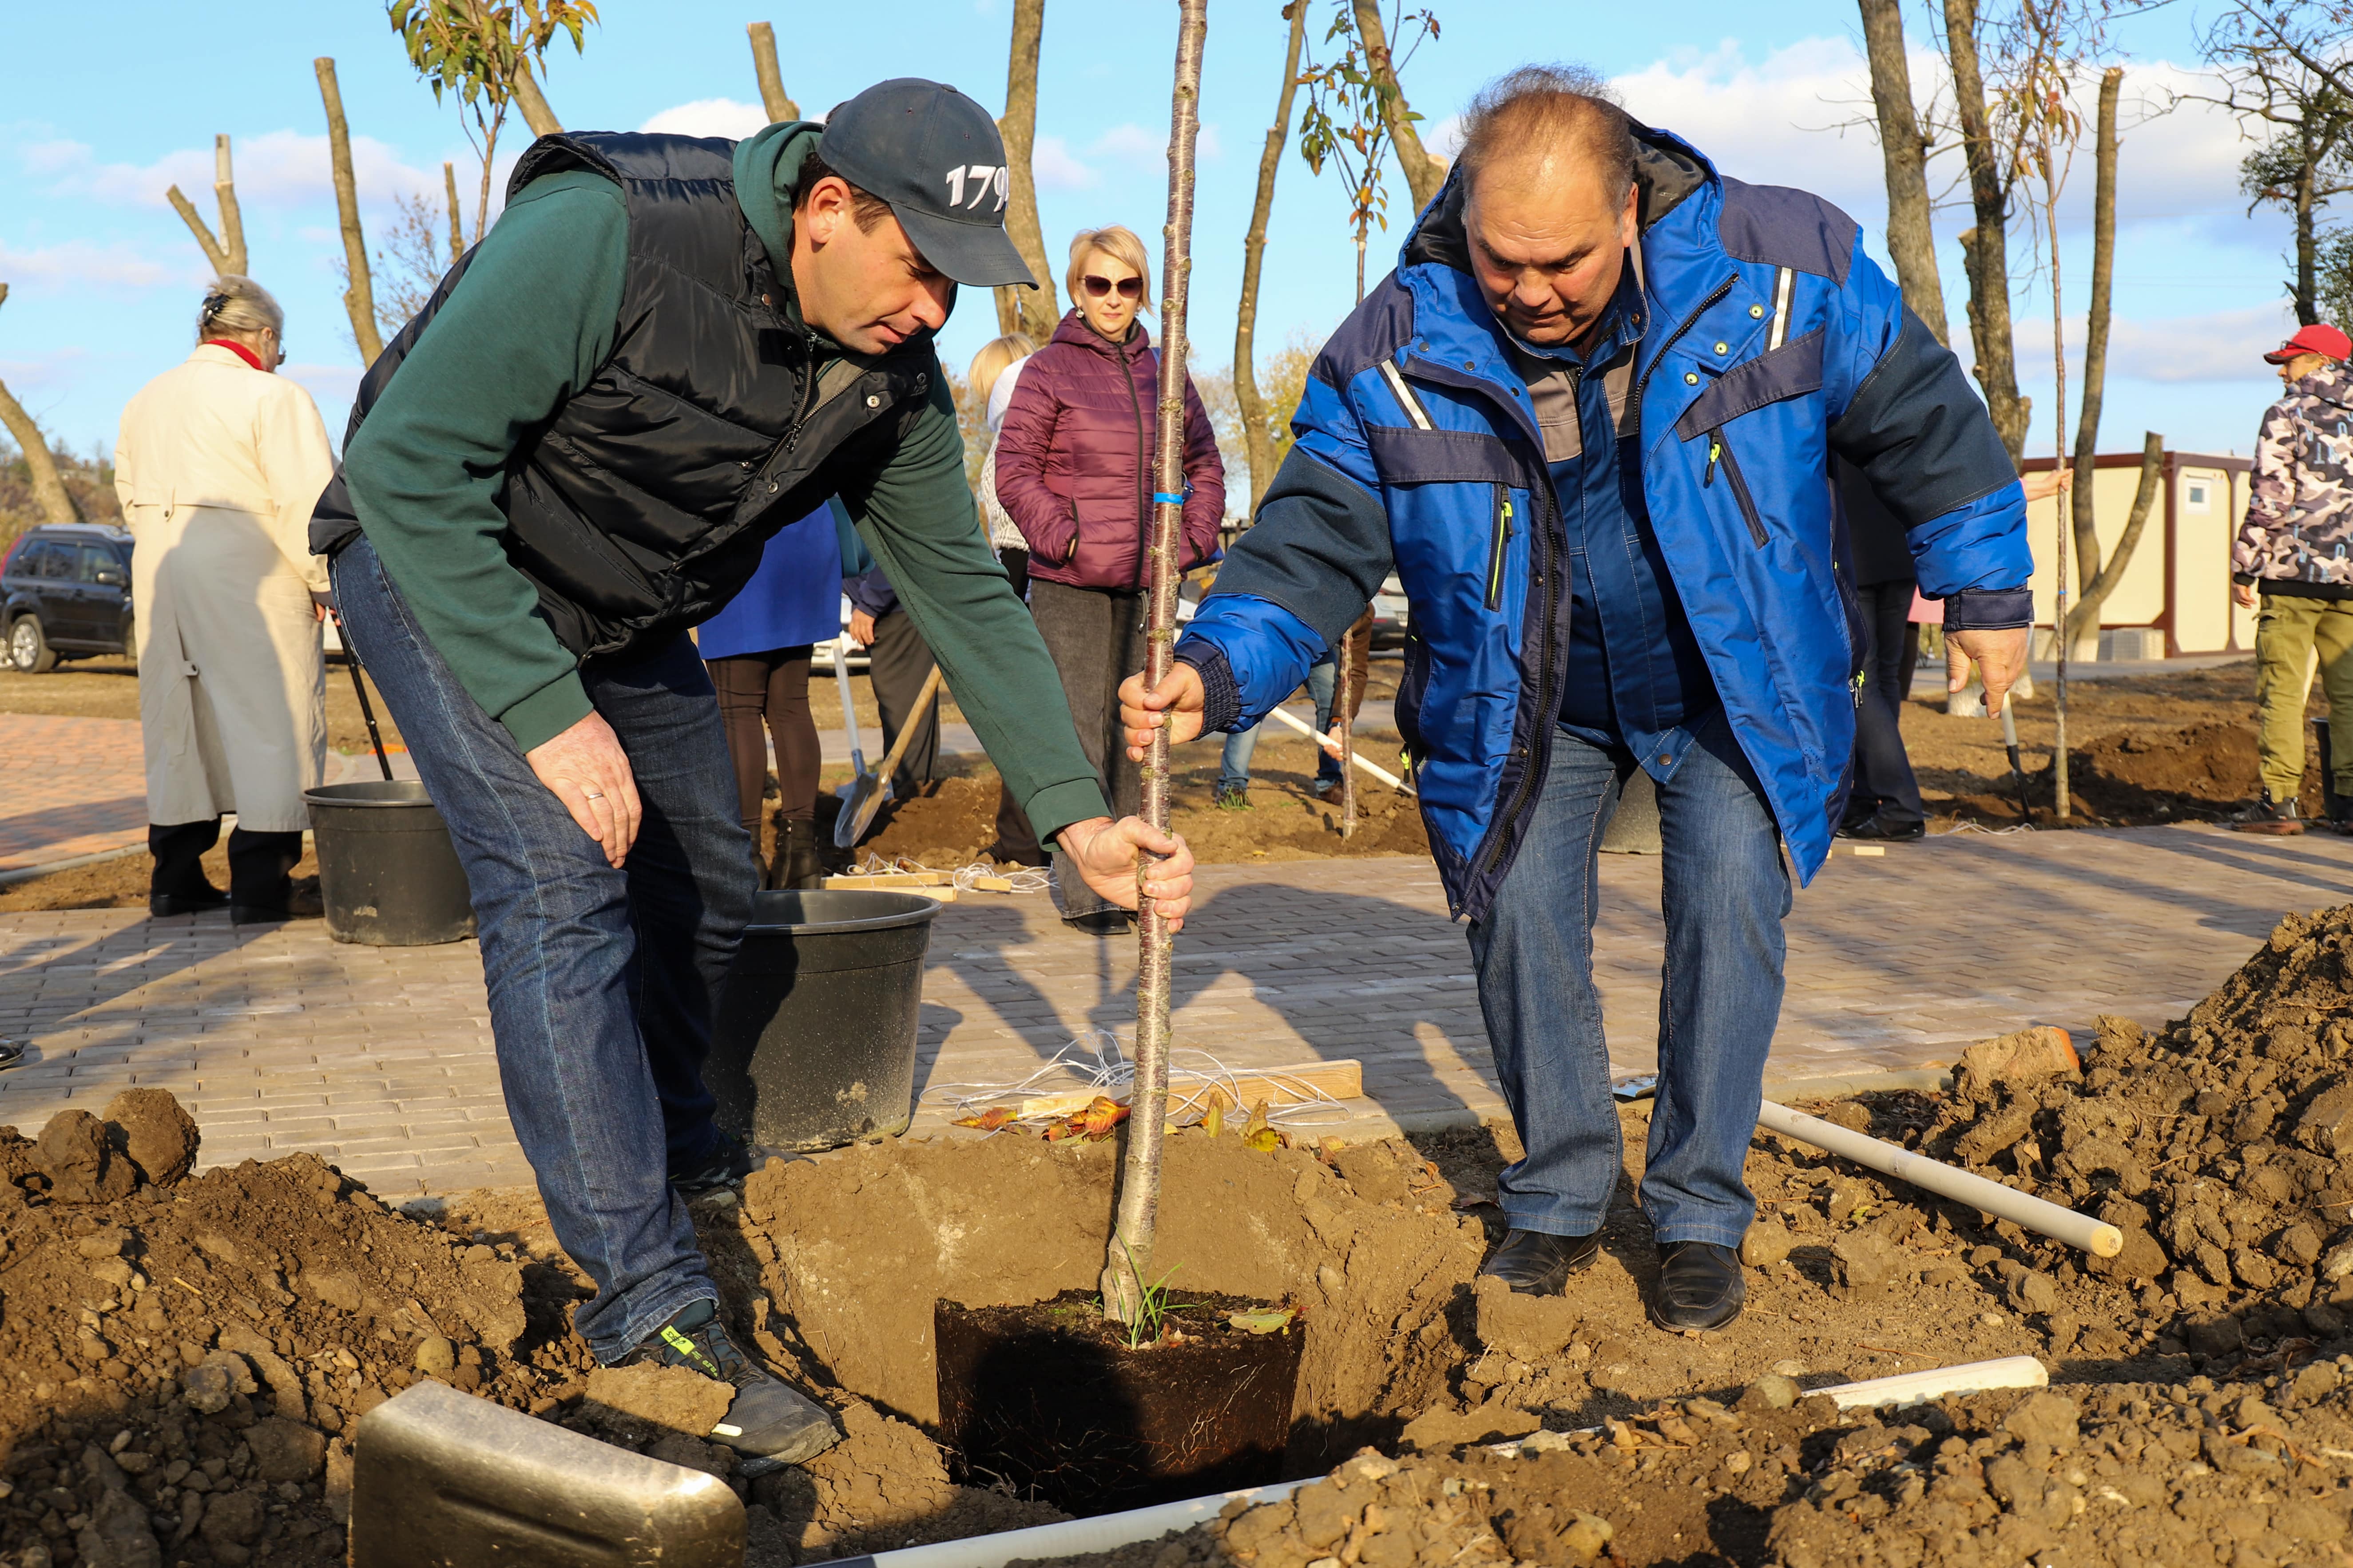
[(1161, 497)]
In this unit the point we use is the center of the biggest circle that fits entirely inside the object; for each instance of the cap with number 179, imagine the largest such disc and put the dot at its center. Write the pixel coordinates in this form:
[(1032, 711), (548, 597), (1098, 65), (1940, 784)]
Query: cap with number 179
[(936, 157)]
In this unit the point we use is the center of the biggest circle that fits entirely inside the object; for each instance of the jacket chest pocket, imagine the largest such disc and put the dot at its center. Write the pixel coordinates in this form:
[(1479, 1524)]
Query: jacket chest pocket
[(1790, 371)]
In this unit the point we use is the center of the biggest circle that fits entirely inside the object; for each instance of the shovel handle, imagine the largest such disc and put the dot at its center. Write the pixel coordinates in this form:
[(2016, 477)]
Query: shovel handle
[(359, 689), (898, 750)]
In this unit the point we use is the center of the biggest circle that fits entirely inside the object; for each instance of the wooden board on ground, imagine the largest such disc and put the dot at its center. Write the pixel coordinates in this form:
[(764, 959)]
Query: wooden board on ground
[(1341, 1080)]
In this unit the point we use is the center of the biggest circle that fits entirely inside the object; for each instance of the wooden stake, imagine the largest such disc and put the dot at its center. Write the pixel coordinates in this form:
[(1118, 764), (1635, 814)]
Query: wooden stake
[(1127, 1264), (232, 219), (457, 221)]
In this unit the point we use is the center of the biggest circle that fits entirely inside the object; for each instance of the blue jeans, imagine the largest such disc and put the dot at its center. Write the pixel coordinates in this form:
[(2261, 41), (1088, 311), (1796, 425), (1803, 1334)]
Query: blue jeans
[(1725, 894), (1234, 763), (602, 982)]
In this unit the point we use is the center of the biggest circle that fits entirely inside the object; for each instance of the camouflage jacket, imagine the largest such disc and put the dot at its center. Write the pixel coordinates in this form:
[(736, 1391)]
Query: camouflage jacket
[(2299, 524)]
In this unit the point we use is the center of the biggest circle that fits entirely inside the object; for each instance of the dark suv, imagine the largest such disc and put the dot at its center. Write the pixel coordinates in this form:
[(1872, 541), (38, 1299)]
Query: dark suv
[(65, 593)]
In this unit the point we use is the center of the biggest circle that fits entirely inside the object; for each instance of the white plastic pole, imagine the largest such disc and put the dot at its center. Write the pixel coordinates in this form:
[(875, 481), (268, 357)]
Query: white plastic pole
[(1912, 1387), (1332, 746), (1988, 1197)]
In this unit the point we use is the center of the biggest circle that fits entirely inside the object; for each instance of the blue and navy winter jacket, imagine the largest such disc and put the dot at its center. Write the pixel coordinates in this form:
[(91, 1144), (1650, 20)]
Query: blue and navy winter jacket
[(1771, 343)]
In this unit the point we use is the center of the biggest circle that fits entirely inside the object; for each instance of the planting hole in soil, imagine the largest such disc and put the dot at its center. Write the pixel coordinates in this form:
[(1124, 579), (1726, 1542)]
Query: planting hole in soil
[(1053, 1400)]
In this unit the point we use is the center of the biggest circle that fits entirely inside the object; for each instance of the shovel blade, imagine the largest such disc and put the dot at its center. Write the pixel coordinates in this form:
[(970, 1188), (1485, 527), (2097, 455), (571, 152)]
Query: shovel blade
[(856, 809), (442, 1479)]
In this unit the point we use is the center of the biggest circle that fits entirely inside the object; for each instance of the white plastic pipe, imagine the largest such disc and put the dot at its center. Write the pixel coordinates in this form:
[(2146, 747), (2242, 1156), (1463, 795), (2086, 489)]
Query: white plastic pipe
[(1332, 746), (1988, 1197), (1912, 1387)]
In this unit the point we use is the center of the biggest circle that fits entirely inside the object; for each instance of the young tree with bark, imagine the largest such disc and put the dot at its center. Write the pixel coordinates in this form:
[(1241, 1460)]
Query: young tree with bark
[(359, 289), (1258, 439), (485, 51), (1985, 246), (2091, 573), (1127, 1262), (1423, 172), (779, 106), (2288, 67), (1019, 310), (225, 254), (49, 490), (1904, 155)]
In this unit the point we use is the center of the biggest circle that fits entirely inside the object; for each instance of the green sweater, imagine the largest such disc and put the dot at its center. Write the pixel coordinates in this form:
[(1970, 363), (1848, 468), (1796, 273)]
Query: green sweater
[(530, 324)]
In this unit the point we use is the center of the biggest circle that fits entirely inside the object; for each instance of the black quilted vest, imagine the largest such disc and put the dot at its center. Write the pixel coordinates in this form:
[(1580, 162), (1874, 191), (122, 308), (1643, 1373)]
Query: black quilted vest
[(640, 508)]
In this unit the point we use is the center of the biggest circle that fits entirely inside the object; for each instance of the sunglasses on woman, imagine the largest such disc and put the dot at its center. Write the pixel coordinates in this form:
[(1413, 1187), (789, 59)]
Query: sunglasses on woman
[(1129, 288)]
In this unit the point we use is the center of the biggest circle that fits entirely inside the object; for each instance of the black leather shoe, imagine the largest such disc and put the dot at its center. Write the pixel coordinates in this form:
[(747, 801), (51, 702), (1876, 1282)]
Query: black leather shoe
[(162, 906), (1535, 1264), (1878, 828), (1103, 923), (765, 1418), (1699, 1287)]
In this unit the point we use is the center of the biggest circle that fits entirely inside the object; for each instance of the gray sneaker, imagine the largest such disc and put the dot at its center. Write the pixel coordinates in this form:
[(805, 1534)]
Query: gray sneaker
[(766, 1418)]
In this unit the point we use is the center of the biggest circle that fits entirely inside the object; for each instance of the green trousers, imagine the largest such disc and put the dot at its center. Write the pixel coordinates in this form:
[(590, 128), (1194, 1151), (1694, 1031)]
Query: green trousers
[(2287, 629)]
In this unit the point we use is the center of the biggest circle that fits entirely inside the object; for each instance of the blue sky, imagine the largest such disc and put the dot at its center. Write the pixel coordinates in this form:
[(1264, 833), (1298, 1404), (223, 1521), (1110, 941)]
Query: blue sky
[(105, 280)]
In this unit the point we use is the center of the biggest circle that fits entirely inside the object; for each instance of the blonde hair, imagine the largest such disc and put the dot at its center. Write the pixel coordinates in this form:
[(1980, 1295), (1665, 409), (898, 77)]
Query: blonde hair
[(236, 304), (1121, 245), (994, 356)]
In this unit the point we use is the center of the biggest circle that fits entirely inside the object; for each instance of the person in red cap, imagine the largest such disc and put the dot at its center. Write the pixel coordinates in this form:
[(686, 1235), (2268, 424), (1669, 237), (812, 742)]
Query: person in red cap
[(2296, 550)]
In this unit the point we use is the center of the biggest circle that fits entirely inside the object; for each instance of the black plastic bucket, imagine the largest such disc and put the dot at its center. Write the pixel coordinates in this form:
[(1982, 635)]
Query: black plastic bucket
[(388, 873), (815, 1046)]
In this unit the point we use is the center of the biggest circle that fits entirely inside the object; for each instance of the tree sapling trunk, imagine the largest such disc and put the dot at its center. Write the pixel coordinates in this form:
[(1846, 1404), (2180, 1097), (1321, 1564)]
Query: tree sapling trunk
[(773, 97), (1127, 1264), (1904, 155), (1019, 310), (1258, 440), (359, 299)]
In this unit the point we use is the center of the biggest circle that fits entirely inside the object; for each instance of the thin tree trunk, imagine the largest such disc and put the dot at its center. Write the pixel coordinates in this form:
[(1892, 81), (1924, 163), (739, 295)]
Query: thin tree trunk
[(359, 299), (489, 151), (1985, 247), (2152, 467), (232, 218), (2058, 454), (2307, 246), (1258, 440), (2095, 326), (533, 104), (1127, 1263), (215, 257), (1423, 174), (1904, 157), (49, 490), (1021, 310), (772, 98), (457, 216)]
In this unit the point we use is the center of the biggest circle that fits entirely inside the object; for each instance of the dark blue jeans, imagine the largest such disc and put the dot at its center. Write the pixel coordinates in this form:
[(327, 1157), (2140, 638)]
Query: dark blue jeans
[(1725, 894), (602, 982)]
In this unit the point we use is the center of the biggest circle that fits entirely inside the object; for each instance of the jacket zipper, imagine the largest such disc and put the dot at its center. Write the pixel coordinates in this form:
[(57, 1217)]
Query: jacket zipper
[(1539, 750), (1503, 542), (1690, 321), (1142, 472), (1718, 447)]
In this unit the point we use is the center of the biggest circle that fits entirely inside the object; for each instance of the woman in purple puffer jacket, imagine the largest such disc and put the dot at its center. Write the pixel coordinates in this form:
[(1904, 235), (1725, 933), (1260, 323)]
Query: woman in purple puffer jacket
[(1074, 472)]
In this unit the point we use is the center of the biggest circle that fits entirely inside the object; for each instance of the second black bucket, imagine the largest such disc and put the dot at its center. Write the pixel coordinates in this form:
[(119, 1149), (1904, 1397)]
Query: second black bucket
[(816, 1041), (388, 873)]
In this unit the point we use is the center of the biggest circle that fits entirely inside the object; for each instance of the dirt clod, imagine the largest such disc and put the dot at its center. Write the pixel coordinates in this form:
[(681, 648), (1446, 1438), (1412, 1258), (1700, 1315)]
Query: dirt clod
[(73, 1154), (159, 1137), (670, 1397)]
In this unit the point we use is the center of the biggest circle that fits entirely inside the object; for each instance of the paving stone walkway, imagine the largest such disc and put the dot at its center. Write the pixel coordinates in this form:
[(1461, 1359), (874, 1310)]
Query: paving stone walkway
[(380, 1060)]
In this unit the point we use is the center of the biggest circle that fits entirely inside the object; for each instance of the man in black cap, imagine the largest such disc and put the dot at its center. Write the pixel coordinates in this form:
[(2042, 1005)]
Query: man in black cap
[(667, 349)]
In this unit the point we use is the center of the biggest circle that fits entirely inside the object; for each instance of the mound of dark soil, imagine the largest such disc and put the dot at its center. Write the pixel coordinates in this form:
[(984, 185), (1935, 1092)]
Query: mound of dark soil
[(2137, 776)]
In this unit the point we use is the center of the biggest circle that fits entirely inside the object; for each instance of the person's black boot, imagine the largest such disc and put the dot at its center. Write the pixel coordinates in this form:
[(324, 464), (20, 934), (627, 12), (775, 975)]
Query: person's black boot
[(1699, 1287), (797, 864), (1880, 827), (1534, 1263), (766, 1418)]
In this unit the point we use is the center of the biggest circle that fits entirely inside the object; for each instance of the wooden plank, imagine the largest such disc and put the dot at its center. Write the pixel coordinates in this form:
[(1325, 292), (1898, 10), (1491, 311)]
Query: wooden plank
[(1342, 1079), (898, 884), (895, 879)]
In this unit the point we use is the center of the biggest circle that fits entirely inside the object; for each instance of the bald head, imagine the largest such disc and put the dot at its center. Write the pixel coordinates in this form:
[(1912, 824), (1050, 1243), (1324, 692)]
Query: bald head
[(1547, 168)]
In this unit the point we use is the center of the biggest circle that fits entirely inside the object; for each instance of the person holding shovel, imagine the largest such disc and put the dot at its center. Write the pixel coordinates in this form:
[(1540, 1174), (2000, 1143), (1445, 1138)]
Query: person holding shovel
[(667, 350), (1587, 422)]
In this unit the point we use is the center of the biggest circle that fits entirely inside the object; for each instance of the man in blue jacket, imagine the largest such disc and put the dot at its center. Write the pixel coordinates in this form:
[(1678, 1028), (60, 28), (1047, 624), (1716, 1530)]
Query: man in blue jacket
[(1588, 422)]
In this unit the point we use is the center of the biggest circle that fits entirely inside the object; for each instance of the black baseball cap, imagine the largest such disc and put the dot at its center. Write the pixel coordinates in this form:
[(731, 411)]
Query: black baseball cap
[(935, 156)]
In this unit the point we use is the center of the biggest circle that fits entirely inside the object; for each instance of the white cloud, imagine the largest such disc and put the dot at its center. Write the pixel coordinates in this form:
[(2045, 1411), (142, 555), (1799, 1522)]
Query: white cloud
[(2218, 346), (1133, 143), (277, 169), (721, 117), (1053, 166), (79, 264)]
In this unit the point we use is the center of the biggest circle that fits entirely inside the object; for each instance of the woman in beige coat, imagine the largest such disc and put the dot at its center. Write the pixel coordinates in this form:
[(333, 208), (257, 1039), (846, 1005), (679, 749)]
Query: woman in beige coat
[(218, 465)]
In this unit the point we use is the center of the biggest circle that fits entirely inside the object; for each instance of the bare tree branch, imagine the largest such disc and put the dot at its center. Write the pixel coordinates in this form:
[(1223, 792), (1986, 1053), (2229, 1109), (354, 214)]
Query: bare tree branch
[(215, 257), (359, 299), (232, 220), (49, 490), (1423, 172), (1904, 155), (1021, 310), (1257, 439), (773, 97)]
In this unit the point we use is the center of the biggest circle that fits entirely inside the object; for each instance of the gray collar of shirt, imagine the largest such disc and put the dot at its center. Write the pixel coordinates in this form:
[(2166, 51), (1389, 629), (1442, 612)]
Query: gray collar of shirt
[(1552, 373)]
